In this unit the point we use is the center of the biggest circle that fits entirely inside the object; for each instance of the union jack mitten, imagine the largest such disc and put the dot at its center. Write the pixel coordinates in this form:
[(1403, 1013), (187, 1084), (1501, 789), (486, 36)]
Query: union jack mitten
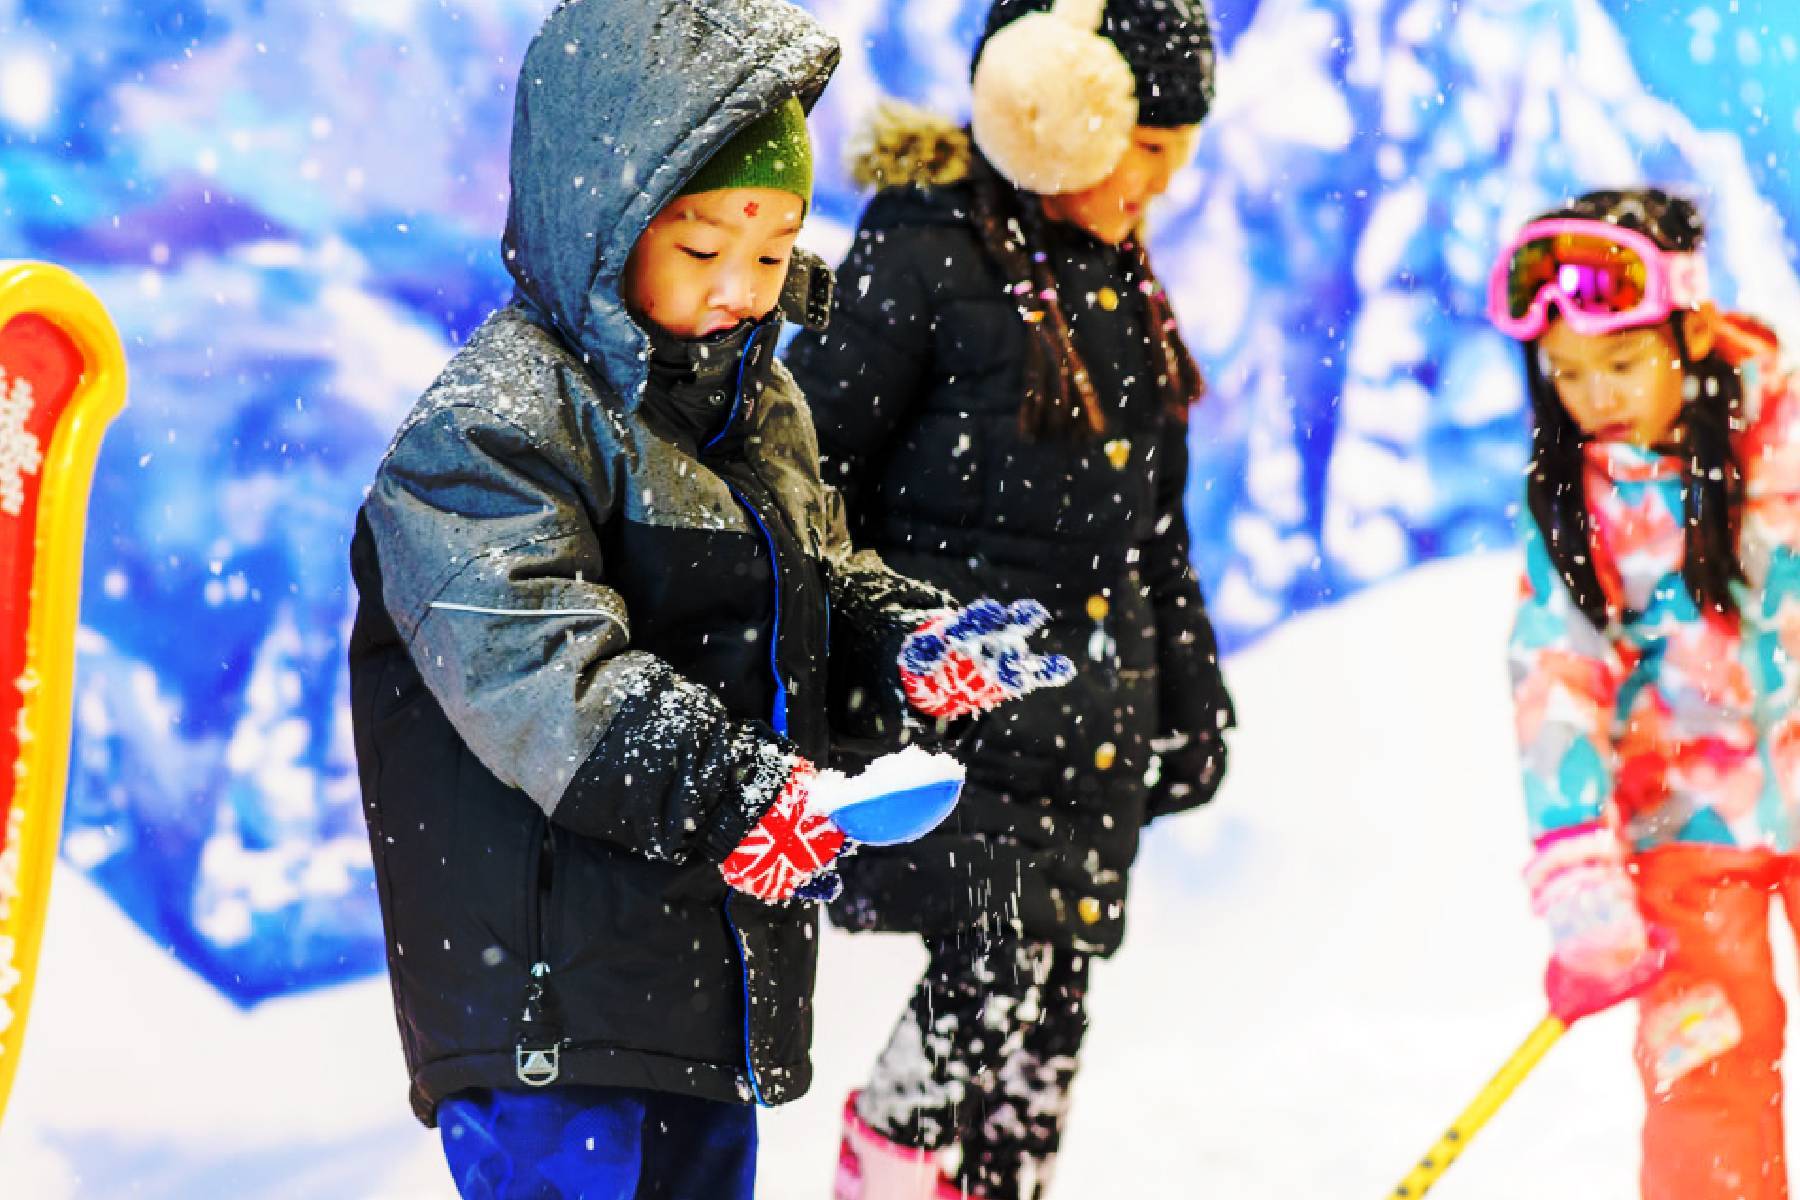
[(793, 844), (972, 659), (820, 816)]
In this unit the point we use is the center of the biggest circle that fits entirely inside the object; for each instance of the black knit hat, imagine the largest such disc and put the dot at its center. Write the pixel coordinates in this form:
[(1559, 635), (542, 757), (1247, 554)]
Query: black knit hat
[(1167, 42)]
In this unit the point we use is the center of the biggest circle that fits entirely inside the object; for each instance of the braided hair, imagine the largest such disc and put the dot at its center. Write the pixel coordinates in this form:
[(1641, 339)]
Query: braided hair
[(1060, 401)]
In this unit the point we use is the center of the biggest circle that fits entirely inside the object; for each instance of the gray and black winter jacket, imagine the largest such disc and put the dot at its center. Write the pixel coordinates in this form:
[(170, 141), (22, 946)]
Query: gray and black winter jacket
[(603, 594)]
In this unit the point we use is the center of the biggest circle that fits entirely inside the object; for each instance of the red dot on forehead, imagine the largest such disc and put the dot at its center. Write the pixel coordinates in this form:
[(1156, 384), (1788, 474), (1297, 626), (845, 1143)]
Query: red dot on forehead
[(751, 209)]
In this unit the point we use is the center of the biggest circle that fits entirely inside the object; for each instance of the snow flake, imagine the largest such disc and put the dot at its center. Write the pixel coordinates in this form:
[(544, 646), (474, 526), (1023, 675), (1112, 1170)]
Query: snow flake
[(20, 453)]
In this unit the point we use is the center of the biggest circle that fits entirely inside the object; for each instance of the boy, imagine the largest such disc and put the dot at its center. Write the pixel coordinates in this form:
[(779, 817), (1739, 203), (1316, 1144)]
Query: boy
[(600, 582)]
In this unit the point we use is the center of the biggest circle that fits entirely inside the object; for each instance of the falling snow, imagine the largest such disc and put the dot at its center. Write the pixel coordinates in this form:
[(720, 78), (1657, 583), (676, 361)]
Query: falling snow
[(286, 299)]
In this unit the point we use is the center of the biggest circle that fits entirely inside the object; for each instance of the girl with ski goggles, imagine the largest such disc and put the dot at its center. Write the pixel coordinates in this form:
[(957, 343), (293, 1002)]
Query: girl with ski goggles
[(1601, 277), (1654, 660)]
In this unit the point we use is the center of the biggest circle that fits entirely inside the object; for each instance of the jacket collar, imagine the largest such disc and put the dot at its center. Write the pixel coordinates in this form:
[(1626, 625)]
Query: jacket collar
[(1621, 462), (709, 390)]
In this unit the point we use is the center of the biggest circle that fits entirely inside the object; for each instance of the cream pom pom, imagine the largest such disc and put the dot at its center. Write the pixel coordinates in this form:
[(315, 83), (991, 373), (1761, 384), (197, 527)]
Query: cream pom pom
[(1054, 101)]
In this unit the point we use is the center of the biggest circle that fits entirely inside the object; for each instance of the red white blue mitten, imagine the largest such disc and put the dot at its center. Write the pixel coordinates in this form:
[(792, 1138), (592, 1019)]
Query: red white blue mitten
[(821, 816), (972, 659), (1602, 951), (795, 842)]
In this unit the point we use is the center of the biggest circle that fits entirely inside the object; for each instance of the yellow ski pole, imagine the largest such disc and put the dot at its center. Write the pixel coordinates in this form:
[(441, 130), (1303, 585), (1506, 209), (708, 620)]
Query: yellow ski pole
[(1437, 1160)]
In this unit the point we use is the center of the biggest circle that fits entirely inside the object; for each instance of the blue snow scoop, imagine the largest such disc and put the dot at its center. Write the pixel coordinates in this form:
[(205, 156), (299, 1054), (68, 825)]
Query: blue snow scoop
[(895, 817)]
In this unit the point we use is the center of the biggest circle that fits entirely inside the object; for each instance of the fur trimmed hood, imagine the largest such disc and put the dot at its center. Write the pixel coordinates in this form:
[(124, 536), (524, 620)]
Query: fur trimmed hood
[(903, 145)]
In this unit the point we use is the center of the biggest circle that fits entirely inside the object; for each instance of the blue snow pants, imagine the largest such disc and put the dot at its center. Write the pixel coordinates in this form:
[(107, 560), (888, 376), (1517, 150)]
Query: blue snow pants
[(597, 1143)]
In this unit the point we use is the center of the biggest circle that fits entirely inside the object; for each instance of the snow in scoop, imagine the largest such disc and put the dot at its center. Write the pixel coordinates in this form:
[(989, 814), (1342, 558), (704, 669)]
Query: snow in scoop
[(904, 771), (898, 798)]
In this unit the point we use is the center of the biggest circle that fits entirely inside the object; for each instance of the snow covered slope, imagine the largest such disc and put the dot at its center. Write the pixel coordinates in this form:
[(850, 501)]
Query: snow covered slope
[(1322, 969)]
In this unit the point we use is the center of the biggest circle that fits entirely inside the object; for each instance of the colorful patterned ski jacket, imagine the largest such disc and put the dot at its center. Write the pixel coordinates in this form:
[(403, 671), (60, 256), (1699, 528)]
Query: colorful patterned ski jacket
[(1679, 726)]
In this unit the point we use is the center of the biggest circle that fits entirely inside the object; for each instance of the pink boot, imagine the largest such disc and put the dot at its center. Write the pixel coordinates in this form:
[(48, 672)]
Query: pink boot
[(870, 1167)]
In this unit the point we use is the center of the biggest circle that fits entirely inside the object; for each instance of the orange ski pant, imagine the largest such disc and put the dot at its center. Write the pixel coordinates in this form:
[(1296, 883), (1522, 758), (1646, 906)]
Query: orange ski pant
[(1715, 1133)]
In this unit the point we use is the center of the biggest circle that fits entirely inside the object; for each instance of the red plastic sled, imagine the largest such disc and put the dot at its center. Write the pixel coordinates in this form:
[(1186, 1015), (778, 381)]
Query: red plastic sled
[(62, 380)]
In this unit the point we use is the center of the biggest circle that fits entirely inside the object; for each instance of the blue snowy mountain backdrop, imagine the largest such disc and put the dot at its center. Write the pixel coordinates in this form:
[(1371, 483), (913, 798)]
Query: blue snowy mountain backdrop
[(294, 210)]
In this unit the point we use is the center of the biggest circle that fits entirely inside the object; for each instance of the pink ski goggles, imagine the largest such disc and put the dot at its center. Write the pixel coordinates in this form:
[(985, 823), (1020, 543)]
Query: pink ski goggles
[(1602, 278)]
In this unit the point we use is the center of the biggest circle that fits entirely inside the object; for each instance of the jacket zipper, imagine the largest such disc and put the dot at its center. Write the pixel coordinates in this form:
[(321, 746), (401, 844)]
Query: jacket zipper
[(779, 719), (537, 1047), (743, 949), (737, 394), (779, 716)]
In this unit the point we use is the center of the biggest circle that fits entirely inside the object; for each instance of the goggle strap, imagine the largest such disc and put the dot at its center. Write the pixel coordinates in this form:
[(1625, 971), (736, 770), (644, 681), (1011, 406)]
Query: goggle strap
[(1687, 280)]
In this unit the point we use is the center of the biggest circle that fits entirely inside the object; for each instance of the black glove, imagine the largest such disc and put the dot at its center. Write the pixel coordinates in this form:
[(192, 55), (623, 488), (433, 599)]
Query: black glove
[(1185, 772)]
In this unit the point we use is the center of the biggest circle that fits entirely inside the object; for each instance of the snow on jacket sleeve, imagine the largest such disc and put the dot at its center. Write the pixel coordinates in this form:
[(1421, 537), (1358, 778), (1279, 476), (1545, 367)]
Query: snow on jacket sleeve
[(493, 576), (864, 371), (1565, 676), (1193, 699)]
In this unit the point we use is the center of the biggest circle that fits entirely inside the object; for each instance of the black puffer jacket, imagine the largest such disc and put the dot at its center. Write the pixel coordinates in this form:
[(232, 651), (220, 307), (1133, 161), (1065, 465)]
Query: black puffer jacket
[(916, 392), (603, 592)]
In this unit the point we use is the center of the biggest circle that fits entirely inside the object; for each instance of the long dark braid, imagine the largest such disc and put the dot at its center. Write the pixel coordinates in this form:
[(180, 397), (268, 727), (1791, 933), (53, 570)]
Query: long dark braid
[(1714, 493), (1712, 478), (1060, 400)]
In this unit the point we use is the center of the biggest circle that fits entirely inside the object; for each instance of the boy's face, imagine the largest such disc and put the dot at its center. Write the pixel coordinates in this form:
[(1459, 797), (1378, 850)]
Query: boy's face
[(1112, 209), (713, 260)]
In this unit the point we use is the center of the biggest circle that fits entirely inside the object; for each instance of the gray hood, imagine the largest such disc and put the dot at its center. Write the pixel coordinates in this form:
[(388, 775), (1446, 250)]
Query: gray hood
[(619, 103)]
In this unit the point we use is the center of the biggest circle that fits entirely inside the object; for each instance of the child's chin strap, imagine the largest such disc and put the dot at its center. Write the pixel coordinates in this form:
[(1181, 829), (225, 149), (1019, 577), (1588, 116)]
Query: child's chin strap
[(807, 291)]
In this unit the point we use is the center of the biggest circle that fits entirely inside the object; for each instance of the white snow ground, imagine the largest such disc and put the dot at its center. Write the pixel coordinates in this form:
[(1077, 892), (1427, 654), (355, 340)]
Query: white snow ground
[(1322, 969)]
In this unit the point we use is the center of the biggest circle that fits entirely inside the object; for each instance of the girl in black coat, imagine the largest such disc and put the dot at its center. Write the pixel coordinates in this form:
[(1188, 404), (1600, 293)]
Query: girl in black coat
[(1002, 397)]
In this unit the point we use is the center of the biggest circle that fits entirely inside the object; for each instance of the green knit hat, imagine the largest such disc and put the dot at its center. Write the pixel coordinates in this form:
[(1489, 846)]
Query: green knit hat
[(773, 151)]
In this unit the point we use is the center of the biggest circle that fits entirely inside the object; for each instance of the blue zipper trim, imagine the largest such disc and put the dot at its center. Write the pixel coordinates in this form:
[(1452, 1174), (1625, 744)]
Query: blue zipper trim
[(744, 968), (779, 717), (737, 395)]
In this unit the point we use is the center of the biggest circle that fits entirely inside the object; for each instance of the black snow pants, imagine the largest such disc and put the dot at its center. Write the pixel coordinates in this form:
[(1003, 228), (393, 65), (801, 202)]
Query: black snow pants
[(981, 1062)]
